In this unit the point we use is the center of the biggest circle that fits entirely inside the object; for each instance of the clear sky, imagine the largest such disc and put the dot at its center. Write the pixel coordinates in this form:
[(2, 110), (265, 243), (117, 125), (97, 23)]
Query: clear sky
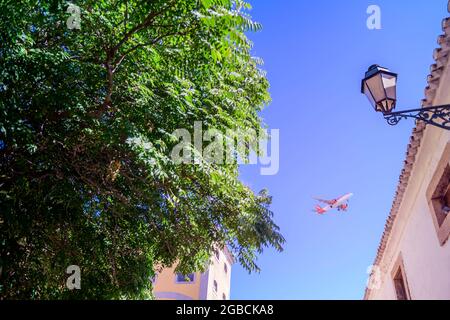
[(331, 141)]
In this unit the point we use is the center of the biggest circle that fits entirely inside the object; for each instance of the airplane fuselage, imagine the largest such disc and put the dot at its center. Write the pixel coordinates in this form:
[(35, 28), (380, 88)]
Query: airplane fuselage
[(340, 201)]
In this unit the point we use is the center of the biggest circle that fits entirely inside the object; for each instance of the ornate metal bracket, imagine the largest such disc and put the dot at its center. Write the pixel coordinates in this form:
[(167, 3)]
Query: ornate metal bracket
[(438, 116)]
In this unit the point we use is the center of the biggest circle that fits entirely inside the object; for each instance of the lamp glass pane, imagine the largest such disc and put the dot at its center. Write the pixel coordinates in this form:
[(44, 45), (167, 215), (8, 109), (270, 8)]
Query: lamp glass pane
[(369, 95), (390, 84), (375, 84)]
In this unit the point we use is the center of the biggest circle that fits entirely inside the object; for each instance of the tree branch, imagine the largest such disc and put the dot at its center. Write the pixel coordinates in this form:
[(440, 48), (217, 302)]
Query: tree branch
[(154, 41)]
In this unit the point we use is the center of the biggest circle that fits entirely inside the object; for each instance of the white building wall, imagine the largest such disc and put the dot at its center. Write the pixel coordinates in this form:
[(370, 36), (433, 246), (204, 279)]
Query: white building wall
[(217, 273)]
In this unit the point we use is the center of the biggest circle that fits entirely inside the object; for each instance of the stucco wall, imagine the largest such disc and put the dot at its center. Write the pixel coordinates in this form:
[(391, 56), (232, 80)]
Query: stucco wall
[(217, 273), (165, 286)]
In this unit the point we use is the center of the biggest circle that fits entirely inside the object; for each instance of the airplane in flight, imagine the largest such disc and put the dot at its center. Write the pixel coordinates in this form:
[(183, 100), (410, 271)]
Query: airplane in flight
[(341, 204)]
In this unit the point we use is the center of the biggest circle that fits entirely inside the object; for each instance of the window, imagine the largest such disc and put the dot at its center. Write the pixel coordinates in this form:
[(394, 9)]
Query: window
[(181, 278), (216, 253), (225, 268), (438, 195), (400, 286), (215, 286), (400, 281), (224, 297), (441, 197), (154, 278)]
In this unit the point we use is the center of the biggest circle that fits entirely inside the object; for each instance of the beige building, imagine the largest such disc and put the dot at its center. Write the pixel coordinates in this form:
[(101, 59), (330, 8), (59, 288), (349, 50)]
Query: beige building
[(213, 284), (413, 258)]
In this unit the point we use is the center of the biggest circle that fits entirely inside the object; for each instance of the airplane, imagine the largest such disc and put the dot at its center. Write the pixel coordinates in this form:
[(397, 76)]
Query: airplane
[(340, 203)]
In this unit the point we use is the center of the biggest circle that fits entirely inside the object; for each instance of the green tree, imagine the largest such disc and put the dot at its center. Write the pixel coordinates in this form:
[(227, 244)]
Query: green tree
[(86, 122)]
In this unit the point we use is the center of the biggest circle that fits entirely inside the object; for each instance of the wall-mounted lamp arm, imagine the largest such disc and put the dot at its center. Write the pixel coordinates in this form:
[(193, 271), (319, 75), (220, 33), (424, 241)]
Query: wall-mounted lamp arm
[(438, 116)]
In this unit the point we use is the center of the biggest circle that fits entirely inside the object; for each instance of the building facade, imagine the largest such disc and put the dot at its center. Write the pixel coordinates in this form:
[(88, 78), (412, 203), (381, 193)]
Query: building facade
[(413, 258), (213, 284)]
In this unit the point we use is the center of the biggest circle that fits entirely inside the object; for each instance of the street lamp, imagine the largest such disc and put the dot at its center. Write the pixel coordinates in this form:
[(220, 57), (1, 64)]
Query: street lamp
[(380, 87)]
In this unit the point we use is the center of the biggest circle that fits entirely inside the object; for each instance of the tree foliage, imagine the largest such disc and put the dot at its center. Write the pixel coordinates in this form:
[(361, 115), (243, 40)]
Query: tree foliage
[(86, 122)]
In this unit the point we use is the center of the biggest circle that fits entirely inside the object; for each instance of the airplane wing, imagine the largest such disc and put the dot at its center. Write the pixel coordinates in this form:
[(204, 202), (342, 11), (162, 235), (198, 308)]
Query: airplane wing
[(330, 202)]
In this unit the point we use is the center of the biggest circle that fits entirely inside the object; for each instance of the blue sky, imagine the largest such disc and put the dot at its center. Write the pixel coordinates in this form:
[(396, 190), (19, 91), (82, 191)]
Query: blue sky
[(331, 141)]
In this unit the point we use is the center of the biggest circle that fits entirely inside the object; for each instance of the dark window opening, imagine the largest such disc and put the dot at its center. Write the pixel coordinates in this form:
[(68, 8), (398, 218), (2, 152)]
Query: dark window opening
[(185, 278), (441, 197), (216, 253), (400, 285)]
